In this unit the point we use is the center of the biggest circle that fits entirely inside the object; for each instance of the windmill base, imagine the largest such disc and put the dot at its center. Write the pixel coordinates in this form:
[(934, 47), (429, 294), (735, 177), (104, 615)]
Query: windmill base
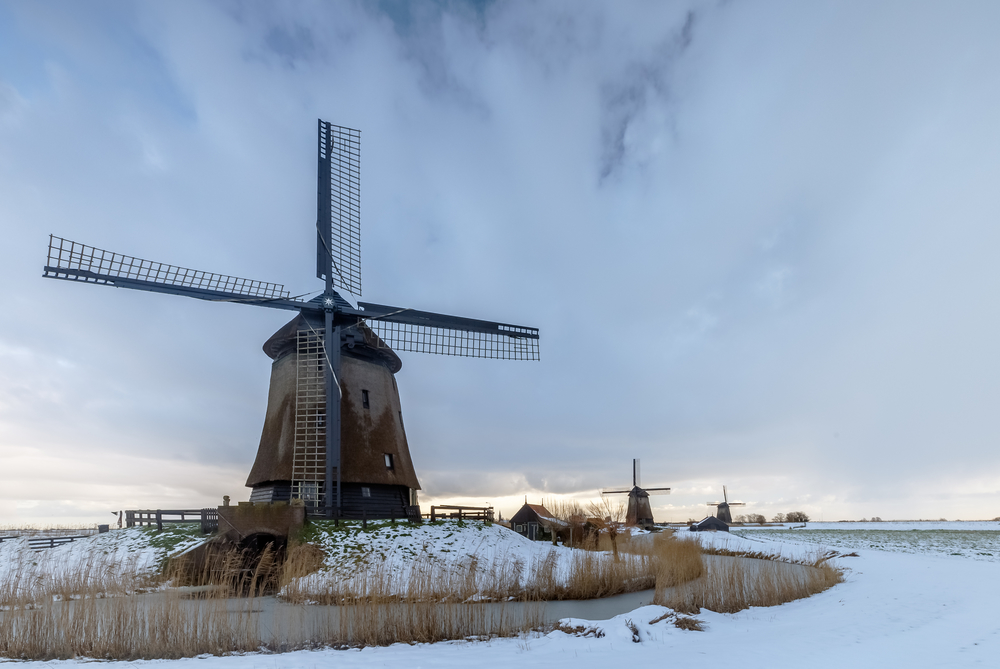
[(358, 500)]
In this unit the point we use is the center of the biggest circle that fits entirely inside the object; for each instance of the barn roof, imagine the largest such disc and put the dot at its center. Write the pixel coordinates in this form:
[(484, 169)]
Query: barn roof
[(710, 523), (544, 516)]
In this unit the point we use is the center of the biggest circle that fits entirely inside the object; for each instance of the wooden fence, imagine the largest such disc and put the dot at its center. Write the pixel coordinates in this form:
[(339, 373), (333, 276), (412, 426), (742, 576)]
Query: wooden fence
[(484, 513), (209, 518), (38, 543)]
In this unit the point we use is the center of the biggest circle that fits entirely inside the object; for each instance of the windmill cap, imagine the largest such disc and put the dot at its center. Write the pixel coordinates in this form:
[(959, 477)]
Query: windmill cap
[(283, 341)]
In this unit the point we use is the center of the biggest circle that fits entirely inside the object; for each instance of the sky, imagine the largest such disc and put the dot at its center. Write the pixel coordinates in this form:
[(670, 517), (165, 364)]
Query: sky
[(759, 240)]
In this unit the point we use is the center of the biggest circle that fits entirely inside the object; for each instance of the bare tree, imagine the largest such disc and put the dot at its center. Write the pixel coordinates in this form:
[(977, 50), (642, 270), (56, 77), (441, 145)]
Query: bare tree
[(609, 516), (778, 518), (796, 517)]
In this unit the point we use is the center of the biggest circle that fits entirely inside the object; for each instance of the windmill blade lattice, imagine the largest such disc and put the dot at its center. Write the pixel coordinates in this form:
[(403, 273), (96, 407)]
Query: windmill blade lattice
[(428, 332), (72, 261), (338, 207)]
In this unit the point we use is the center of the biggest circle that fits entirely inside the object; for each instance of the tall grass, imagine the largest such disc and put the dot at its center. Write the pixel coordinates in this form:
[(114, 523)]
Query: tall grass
[(219, 608), (29, 576), (733, 584), (77, 613), (100, 608)]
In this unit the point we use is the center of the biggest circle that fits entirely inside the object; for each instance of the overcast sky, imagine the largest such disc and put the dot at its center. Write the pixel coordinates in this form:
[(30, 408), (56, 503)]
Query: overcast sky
[(760, 241)]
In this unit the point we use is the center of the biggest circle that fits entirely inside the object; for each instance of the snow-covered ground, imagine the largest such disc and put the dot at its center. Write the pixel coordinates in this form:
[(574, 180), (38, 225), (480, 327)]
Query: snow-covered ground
[(122, 556), (391, 553), (978, 540), (895, 608), (395, 545)]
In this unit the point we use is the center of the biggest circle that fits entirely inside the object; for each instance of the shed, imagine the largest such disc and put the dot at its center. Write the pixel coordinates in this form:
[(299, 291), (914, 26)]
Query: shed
[(536, 522), (709, 523)]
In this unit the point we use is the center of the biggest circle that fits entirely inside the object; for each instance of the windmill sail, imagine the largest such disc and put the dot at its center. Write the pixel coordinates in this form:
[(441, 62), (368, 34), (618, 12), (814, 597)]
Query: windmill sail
[(338, 208), (428, 332), (333, 364), (72, 261)]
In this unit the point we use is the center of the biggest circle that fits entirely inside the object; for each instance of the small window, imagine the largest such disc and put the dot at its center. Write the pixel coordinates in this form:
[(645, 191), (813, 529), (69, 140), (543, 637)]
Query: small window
[(388, 461), (364, 399), (366, 492)]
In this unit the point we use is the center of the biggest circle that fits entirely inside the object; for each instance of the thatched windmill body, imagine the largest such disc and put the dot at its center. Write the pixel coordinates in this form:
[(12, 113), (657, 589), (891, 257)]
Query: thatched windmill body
[(639, 510), (722, 508), (333, 433)]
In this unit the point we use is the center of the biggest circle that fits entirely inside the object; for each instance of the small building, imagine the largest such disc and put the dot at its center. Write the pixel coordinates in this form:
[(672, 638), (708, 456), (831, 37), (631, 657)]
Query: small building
[(709, 523), (537, 523)]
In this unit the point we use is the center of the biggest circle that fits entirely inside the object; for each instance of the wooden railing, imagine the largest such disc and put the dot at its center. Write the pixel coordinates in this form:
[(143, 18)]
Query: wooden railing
[(483, 513), (209, 518)]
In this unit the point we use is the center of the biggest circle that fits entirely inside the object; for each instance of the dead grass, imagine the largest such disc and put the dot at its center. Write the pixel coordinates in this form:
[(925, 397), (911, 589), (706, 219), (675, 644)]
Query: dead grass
[(733, 584), (62, 618), (100, 608), (217, 609)]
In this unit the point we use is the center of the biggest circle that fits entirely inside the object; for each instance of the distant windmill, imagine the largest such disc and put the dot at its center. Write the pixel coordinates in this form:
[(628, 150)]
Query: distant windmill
[(639, 512), (333, 433), (722, 508)]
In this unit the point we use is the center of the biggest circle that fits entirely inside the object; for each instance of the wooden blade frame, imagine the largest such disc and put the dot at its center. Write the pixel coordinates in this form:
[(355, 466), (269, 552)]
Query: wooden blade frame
[(427, 332), (338, 208), (72, 261)]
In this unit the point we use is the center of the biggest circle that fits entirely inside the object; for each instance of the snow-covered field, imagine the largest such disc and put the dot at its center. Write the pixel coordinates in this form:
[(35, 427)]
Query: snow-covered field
[(975, 540), (898, 607), (393, 552)]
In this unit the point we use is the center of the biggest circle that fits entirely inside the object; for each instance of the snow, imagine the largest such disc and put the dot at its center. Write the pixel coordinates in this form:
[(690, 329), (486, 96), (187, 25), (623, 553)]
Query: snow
[(132, 553), (978, 540), (446, 547), (897, 607)]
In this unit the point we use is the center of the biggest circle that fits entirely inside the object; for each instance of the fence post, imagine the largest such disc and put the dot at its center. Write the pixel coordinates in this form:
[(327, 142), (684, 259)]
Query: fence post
[(159, 521), (432, 514)]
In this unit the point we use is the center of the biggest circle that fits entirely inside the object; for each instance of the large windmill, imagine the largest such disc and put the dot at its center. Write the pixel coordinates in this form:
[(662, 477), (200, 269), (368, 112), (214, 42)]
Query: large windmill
[(333, 433), (722, 508), (639, 511)]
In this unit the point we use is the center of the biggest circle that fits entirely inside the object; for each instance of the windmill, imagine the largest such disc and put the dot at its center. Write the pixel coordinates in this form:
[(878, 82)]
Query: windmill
[(333, 433), (722, 508), (639, 512)]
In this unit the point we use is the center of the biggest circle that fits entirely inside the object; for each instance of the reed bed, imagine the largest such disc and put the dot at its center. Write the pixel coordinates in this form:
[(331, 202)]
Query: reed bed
[(103, 608), (36, 576), (733, 584), (59, 618), (220, 607)]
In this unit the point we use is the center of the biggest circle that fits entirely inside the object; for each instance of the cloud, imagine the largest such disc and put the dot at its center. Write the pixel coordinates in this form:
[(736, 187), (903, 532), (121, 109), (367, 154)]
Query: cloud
[(757, 239)]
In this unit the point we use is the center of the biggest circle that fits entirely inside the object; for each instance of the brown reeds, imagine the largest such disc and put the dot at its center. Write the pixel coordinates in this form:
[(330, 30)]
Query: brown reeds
[(105, 609), (96, 609), (733, 584), (218, 608)]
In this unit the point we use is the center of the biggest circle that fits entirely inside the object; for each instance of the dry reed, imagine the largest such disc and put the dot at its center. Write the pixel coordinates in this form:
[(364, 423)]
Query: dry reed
[(733, 584), (61, 618), (96, 609)]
